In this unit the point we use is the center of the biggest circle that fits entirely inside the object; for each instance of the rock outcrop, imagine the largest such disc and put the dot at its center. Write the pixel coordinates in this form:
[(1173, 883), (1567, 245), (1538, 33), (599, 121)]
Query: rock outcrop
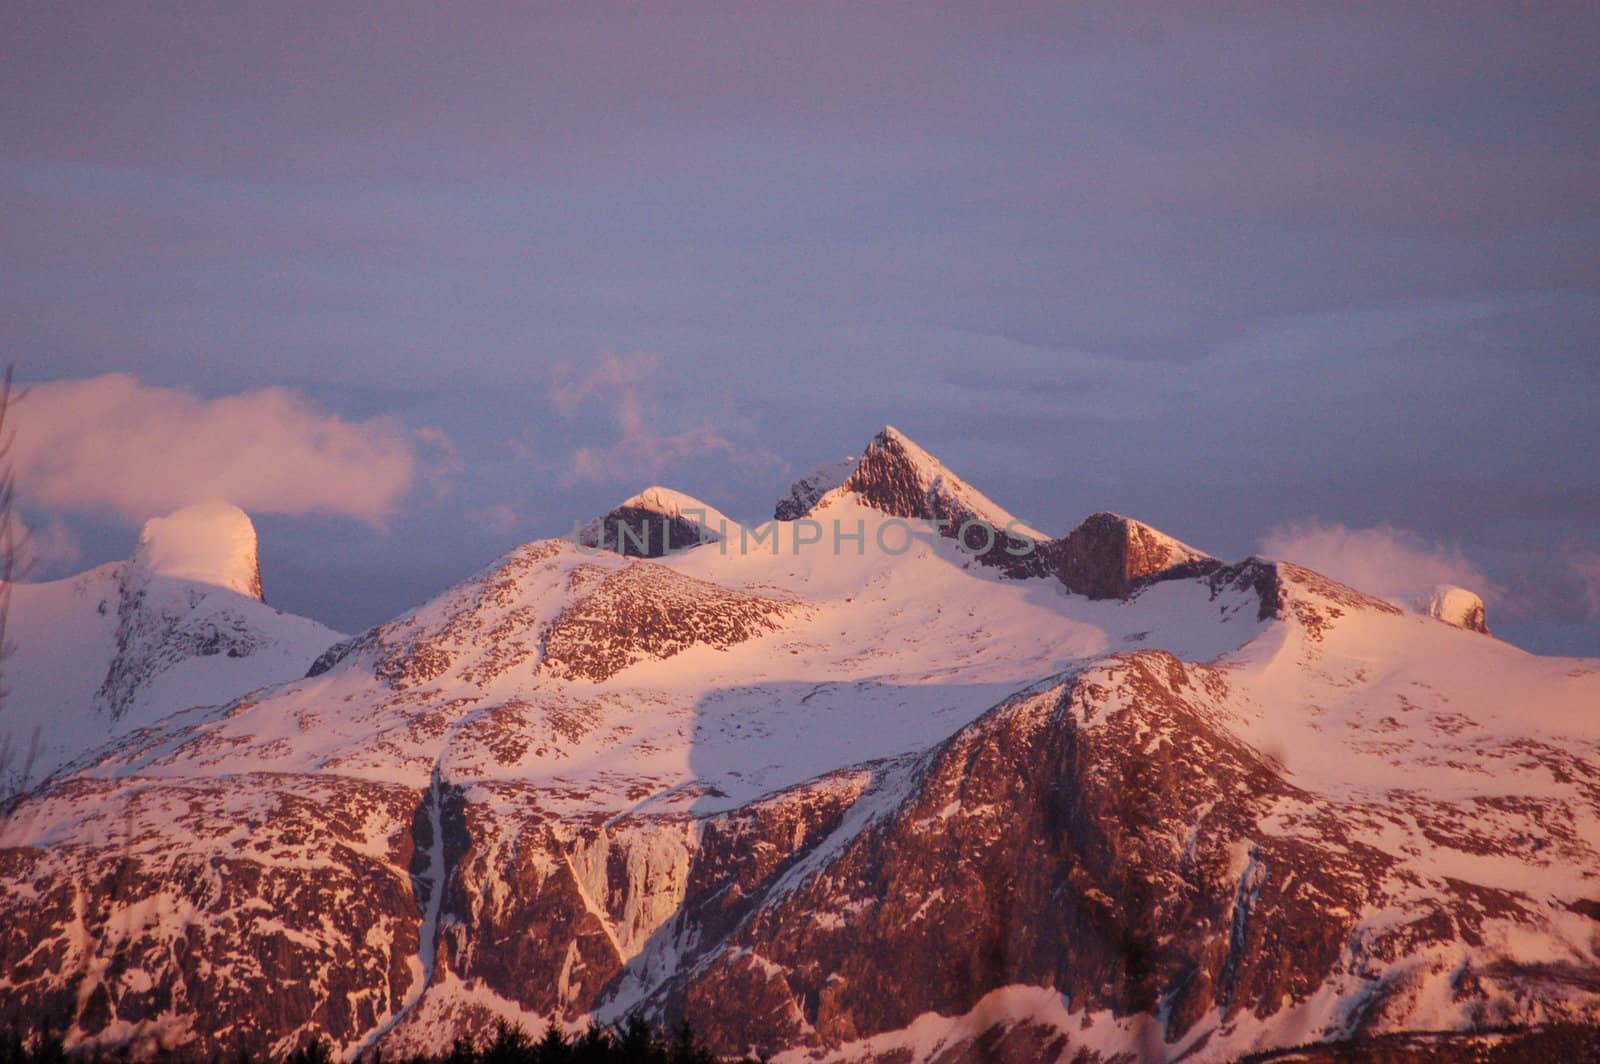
[(1111, 556)]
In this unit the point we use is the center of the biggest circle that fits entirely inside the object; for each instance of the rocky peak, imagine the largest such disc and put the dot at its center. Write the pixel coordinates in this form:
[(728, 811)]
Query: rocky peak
[(1457, 606), (897, 477), (209, 543), (655, 522), (1111, 556)]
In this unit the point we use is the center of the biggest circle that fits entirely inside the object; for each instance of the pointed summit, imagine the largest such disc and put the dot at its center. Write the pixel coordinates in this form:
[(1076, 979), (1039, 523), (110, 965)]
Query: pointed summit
[(208, 543), (655, 522), (896, 476)]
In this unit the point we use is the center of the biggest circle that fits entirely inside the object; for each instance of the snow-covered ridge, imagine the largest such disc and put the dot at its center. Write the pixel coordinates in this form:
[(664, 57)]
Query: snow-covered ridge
[(1164, 550)]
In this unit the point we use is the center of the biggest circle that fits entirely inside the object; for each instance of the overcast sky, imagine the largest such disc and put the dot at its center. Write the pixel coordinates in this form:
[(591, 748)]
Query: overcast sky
[(416, 287)]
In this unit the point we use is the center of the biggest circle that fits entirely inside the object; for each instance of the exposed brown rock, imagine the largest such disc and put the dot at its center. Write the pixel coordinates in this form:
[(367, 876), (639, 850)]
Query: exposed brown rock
[(294, 923), (648, 611), (1111, 556)]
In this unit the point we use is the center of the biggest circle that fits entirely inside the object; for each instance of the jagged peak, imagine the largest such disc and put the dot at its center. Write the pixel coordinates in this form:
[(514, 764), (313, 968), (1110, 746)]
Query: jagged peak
[(898, 477), (207, 543), (890, 445), (891, 436)]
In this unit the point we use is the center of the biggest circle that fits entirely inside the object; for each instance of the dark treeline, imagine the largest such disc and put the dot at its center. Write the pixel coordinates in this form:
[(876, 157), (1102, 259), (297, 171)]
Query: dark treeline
[(631, 1042), (635, 1042)]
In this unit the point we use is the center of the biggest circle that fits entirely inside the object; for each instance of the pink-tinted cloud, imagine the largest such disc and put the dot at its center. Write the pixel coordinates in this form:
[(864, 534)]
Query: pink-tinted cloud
[(112, 444), (647, 442), (614, 376), (1392, 563)]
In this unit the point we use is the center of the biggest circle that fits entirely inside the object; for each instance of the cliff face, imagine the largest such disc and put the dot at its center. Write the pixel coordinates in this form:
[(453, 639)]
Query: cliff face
[(211, 915)]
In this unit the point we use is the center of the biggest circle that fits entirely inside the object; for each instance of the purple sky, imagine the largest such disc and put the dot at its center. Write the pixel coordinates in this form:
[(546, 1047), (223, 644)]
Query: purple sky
[(1226, 272)]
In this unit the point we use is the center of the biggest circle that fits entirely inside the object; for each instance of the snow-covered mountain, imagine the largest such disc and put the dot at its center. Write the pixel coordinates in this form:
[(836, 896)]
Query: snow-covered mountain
[(654, 522), (181, 623), (841, 786)]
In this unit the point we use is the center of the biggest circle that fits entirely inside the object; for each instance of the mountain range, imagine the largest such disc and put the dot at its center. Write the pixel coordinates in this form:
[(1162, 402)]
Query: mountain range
[(892, 777)]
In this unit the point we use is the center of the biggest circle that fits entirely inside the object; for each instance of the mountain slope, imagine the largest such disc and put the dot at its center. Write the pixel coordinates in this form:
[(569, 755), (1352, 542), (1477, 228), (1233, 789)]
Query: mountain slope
[(825, 799), (180, 623)]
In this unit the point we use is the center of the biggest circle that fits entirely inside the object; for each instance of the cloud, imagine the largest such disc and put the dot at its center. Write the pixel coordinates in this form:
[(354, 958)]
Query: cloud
[(644, 445), (1392, 563), (1585, 568), (444, 464), (500, 518), (615, 376), (114, 445), (46, 550)]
